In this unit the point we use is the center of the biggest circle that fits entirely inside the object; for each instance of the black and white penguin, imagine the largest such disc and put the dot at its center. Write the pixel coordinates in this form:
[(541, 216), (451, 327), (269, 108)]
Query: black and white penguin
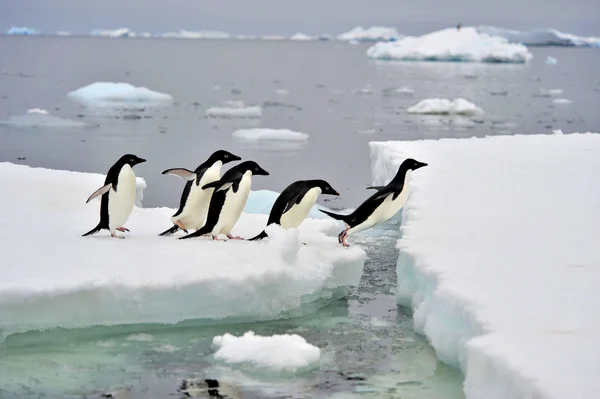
[(118, 196), (228, 200), (381, 206), (295, 202), (194, 200)]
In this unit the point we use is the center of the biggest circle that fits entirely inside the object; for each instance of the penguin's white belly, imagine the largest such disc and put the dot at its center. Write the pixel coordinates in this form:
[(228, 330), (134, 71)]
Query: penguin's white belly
[(233, 206), (120, 202), (384, 211), (298, 212), (196, 206)]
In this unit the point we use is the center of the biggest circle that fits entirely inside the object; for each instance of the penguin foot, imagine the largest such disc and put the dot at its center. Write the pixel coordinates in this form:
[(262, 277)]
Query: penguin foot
[(181, 226), (116, 236), (123, 229), (234, 237), (343, 237), (216, 238)]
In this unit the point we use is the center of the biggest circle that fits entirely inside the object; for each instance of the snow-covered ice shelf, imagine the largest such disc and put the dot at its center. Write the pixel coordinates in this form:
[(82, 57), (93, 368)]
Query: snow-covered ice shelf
[(464, 45), (51, 276), (443, 106), (276, 353), (117, 94), (499, 259)]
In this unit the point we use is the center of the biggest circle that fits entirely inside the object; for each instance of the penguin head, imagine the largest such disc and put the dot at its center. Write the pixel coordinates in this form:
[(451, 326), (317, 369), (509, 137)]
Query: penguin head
[(223, 156), (411, 164), (131, 160), (325, 187), (253, 167)]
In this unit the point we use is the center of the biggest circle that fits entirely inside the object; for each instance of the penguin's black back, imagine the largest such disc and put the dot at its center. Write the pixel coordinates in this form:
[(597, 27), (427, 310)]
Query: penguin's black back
[(367, 208), (292, 193)]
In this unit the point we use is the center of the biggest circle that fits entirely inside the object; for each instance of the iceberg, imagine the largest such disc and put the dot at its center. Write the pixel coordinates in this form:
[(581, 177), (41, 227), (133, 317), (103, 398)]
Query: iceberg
[(117, 94), (464, 45), (205, 34), (234, 109), (98, 280), (269, 134), (372, 34), (499, 265), (276, 353), (301, 37), (37, 118), (443, 106), (121, 32), (541, 37), (22, 31)]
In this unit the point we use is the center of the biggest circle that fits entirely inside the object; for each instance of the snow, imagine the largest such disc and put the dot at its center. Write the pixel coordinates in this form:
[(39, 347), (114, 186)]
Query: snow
[(499, 259), (99, 280), (464, 45), (301, 37), (443, 106), (276, 353), (561, 101), (259, 134), (121, 32), (21, 31), (38, 118), (205, 34), (234, 109), (541, 37), (372, 34), (117, 94)]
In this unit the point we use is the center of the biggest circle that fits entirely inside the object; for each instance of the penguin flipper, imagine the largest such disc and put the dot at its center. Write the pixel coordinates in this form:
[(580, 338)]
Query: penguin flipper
[(170, 231), (185, 174), (196, 233), (100, 191), (262, 235), (376, 188), (94, 230)]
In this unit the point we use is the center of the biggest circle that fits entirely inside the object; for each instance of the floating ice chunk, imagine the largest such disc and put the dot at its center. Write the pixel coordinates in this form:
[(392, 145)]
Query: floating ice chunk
[(464, 45), (443, 106), (541, 37), (22, 31), (99, 280), (501, 286), (272, 37), (282, 92), (276, 353), (40, 118), (269, 134), (63, 33), (372, 34), (405, 90), (117, 94), (121, 32), (551, 61), (557, 132), (234, 109), (552, 92), (301, 37), (561, 101), (205, 34)]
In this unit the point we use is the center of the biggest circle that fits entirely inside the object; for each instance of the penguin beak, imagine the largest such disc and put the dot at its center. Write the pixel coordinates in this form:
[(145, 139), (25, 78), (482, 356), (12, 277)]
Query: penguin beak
[(264, 172), (141, 160), (235, 158), (419, 165)]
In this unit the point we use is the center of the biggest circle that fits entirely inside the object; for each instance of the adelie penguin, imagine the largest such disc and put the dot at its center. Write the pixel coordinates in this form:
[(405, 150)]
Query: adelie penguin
[(295, 202), (381, 206), (228, 200), (118, 196), (194, 200)]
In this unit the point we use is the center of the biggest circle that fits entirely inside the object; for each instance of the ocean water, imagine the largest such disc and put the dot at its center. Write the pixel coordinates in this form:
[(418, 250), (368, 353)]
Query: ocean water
[(335, 94)]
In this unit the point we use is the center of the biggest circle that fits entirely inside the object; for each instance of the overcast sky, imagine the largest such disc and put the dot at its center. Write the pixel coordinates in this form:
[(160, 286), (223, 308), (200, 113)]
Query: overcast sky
[(309, 16)]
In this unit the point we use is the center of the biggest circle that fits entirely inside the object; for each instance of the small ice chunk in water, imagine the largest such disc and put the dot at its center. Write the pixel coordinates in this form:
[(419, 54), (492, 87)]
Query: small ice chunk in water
[(37, 111), (40, 118), (442, 106), (561, 101), (301, 37), (275, 353), (405, 90), (269, 134), (234, 109), (551, 61), (282, 92), (111, 94)]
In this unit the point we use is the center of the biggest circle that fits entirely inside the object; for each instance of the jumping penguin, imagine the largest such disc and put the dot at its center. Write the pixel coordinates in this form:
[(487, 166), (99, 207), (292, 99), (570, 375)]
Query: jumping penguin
[(381, 206), (194, 200), (118, 196), (295, 202), (228, 200)]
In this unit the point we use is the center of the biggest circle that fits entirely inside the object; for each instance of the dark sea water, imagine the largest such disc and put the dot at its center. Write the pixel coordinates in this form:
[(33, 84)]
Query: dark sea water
[(335, 94)]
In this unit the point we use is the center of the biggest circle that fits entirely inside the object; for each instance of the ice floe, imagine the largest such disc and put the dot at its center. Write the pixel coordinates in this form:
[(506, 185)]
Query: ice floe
[(372, 34), (499, 259), (276, 353), (99, 280), (444, 106), (464, 45), (22, 31), (204, 34), (551, 61), (40, 118), (261, 134), (234, 109), (117, 94), (541, 37), (561, 101), (301, 37), (120, 32)]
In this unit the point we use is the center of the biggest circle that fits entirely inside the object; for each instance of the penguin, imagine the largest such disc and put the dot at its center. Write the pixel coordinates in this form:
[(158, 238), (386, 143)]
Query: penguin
[(209, 388), (228, 200), (294, 203), (194, 200), (381, 206), (118, 196)]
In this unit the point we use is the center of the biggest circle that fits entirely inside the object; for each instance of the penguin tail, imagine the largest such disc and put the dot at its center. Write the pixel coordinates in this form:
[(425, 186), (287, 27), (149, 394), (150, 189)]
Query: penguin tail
[(262, 235), (94, 230), (336, 216), (170, 231), (196, 233)]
